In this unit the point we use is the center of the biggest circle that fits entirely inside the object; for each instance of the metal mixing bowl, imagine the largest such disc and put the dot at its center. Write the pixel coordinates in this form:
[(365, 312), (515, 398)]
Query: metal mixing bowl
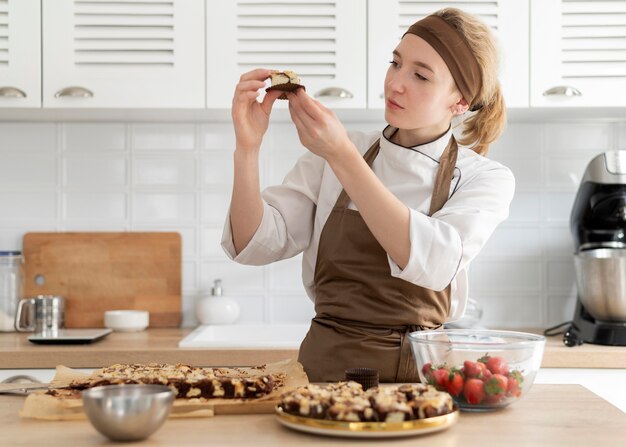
[(128, 412), (601, 279)]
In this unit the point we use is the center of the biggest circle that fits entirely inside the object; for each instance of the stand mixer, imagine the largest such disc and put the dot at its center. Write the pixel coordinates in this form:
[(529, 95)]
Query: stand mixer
[(598, 225)]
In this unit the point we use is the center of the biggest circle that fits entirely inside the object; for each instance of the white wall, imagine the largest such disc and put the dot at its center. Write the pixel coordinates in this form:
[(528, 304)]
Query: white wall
[(177, 176)]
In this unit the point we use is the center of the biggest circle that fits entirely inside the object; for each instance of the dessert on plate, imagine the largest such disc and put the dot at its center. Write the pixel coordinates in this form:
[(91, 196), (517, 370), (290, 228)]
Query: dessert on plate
[(346, 401)]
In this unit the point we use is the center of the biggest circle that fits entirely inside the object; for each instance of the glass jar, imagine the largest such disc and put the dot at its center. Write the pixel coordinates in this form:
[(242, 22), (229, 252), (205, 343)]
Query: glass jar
[(11, 287)]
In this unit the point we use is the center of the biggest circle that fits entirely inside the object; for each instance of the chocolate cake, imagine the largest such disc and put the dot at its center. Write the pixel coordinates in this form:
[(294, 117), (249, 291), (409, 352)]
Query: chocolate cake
[(286, 81), (187, 381), (346, 401)]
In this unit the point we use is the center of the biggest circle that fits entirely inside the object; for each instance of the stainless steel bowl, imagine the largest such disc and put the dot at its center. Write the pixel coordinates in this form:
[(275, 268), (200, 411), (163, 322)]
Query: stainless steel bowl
[(128, 412), (601, 279)]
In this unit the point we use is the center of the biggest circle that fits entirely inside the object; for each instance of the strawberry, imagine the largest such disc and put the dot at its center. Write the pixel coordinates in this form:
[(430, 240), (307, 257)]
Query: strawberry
[(498, 365), (471, 369), (495, 388), (515, 380), (441, 378), (427, 370), (473, 391), (485, 374), (455, 385)]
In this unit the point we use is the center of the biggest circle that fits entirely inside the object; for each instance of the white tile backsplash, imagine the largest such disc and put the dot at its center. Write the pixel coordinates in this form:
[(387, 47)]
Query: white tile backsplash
[(154, 206), (167, 137), (505, 275), (286, 274), (98, 172), (97, 206), (178, 177), (164, 171), (22, 206), (28, 137), (236, 278), (94, 138), (568, 137), (25, 171), (291, 309)]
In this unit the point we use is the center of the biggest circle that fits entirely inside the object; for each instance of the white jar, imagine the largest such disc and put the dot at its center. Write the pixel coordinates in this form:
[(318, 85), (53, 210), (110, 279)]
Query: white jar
[(217, 309), (11, 287)]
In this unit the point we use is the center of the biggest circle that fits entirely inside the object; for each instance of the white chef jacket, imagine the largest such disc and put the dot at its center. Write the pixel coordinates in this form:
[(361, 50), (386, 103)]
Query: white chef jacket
[(442, 245)]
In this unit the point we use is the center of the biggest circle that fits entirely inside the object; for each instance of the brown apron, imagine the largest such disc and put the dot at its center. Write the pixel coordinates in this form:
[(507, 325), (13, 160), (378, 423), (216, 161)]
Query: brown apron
[(363, 314)]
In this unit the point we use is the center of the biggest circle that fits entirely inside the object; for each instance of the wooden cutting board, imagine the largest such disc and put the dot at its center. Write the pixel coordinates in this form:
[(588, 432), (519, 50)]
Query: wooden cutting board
[(96, 272)]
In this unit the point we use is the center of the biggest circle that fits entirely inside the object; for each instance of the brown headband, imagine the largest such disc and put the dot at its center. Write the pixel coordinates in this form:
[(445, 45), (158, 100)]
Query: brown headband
[(454, 51)]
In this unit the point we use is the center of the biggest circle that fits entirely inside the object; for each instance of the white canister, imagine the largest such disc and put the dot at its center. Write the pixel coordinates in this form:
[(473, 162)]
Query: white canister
[(217, 309)]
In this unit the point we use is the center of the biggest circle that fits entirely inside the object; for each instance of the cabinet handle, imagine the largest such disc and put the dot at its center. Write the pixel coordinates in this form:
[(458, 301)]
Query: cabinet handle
[(333, 92), (12, 92), (74, 92), (562, 90)]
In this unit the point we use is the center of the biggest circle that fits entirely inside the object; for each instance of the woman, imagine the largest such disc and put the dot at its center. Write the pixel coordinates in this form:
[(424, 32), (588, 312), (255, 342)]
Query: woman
[(387, 236)]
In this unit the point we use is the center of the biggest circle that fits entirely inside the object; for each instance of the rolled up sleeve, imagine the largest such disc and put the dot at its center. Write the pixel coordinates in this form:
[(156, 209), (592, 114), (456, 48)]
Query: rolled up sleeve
[(447, 241), (288, 213)]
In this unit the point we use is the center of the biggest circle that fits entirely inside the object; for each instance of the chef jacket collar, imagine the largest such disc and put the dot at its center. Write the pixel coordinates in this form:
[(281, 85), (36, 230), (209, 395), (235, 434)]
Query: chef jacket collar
[(433, 149)]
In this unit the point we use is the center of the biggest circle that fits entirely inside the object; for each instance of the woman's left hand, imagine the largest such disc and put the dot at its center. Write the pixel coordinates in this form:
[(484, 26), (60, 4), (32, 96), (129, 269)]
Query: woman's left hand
[(319, 129)]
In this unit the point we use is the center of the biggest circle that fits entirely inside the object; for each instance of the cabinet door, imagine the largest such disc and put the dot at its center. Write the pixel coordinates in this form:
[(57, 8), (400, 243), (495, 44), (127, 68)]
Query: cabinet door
[(508, 19), (20, 53), (578, 53), (123, 54), (323, 41)]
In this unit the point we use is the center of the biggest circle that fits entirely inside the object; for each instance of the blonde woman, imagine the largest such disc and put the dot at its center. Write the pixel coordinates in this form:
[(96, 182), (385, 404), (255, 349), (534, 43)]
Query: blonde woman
[(389, 221)]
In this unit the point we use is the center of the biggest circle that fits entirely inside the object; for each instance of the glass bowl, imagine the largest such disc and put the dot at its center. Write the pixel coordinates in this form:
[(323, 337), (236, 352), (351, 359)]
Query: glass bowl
[(481, 369)]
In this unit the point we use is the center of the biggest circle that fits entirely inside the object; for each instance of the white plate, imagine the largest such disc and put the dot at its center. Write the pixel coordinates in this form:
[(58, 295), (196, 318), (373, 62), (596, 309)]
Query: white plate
[(367, 429)]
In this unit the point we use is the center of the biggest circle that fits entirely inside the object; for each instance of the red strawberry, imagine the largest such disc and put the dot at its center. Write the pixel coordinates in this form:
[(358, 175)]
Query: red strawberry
[(427, 370), (455, 387), (515, 381), (471, 369), (441, 378), (495, 388), (498, 365), (485, 374), (473, 391)]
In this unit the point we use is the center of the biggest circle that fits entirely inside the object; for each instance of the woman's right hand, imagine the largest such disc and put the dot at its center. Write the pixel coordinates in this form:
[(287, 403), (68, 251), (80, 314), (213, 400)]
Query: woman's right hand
[(250, 117)]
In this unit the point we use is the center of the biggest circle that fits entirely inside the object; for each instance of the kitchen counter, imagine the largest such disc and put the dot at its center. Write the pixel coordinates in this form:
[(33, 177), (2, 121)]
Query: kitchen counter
[(550, 415), (161, 345)]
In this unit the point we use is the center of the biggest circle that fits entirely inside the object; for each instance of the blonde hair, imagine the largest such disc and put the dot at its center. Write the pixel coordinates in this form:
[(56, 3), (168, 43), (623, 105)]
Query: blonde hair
[(486, 124)]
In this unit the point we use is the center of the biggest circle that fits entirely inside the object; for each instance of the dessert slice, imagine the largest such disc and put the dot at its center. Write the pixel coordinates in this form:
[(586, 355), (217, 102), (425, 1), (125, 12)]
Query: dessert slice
[(187, 381), (286, 81)]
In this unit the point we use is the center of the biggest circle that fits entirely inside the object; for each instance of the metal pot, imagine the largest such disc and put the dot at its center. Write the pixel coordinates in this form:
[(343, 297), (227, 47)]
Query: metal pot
[(601, 279)]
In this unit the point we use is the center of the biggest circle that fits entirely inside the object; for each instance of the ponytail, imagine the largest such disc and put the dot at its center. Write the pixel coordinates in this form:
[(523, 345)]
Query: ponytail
[(485, 125)]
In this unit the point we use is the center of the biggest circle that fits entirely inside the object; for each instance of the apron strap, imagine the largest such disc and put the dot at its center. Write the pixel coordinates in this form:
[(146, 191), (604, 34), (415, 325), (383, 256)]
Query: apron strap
[(370, 155), (447, 163)]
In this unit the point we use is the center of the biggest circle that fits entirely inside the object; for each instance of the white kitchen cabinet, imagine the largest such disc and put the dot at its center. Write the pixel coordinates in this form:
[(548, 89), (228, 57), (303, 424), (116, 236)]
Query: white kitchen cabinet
[(20, 53), (389, 20), (578, 53), (324, 41), (123, 54)]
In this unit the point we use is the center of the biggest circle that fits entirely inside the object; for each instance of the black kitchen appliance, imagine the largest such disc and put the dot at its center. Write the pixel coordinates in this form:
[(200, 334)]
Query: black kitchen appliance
[(598, 225)]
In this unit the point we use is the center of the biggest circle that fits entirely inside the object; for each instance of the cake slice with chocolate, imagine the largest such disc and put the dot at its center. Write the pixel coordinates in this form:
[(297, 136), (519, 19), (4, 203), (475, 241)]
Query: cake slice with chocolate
[(187, 381), (347, 402), (285, 81)]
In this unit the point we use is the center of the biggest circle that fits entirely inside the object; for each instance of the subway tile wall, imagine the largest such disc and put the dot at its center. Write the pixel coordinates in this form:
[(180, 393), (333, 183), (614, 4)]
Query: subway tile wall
[(177, 177)]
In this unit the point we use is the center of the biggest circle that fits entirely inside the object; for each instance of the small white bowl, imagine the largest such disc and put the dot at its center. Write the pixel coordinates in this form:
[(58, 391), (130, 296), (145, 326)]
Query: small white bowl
[(126, 320)]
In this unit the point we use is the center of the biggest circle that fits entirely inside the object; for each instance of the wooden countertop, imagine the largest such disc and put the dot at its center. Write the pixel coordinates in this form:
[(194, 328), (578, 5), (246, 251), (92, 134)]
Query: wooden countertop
[(550, 415), (161, 345)]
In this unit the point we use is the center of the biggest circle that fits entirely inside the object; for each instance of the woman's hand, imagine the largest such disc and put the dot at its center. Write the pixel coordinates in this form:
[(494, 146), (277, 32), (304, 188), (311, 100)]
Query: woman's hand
[(319, 129), (251, 117)]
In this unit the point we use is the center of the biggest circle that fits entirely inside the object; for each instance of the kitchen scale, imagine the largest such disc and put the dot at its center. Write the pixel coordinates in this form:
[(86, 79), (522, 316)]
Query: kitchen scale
[(69, 336)]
